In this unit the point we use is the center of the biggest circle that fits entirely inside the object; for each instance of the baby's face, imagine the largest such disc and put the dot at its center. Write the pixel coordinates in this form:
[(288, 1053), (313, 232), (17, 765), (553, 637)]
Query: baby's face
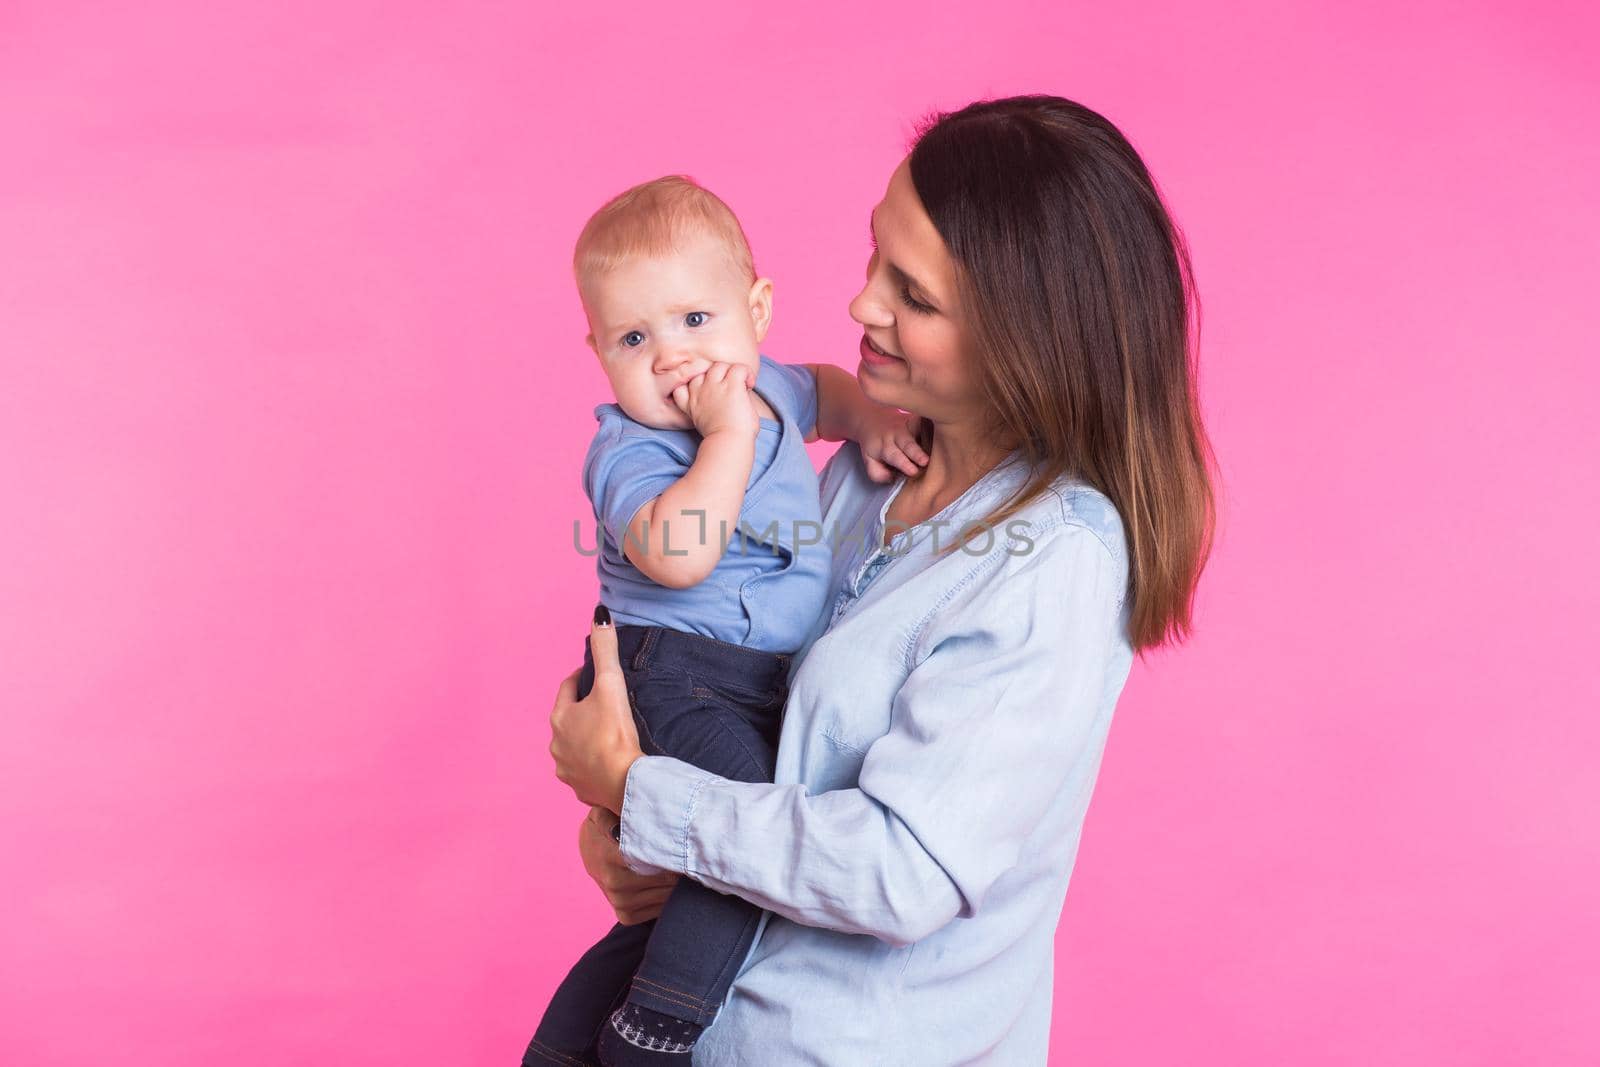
[(659, 322)]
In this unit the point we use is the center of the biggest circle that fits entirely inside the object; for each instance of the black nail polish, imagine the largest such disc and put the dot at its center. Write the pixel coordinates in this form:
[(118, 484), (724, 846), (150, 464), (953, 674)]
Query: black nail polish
[(602, 615)]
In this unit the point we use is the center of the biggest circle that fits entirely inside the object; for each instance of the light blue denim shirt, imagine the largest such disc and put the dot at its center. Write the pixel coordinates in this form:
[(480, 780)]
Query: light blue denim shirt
[(944, 729)]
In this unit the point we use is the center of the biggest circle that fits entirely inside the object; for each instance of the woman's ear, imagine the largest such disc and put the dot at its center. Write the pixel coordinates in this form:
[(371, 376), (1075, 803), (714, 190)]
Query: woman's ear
[(761, 307)]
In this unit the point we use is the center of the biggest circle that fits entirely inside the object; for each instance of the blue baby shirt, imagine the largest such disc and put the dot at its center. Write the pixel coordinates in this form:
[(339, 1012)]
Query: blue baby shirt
[(770, 586)]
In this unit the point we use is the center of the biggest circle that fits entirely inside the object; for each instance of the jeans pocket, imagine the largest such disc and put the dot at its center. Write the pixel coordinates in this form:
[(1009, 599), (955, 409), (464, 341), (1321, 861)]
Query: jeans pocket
[(749, 698)]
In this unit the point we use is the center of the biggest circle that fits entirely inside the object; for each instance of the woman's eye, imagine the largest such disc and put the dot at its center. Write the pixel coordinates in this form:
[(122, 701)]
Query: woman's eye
[(632, 339), (913, 303), (695, 318)]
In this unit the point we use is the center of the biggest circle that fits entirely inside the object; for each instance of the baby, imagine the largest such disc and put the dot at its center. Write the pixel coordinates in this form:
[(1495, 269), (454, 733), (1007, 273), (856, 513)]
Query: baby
[(711, 564)]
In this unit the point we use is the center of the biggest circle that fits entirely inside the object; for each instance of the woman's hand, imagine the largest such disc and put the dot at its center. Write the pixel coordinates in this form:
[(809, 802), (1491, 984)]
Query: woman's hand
[(593, 741), (888, 440), (635, 898)]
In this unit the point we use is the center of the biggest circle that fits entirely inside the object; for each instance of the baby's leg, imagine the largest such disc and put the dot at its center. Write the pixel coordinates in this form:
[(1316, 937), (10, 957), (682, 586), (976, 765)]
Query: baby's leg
[(702, 936), (705, 712), (597, 984), (591, 991)]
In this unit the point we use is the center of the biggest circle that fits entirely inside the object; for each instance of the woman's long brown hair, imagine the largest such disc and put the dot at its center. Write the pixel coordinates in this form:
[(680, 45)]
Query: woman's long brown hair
[(1077, 289)]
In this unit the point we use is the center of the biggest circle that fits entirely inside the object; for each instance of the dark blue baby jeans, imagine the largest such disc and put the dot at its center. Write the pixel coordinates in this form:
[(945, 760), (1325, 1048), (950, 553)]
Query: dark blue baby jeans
[(715, 705)]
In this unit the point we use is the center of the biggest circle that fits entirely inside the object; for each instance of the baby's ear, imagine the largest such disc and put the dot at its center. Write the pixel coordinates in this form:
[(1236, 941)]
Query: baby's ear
[(761, 307), (588, 339)]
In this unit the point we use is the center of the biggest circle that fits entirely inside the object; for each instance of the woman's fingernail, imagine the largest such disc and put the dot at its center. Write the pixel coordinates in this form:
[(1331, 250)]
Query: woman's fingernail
[(602, 615)]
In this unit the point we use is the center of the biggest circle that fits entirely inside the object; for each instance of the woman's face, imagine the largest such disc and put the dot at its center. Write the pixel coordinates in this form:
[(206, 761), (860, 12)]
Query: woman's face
[(914, 354)]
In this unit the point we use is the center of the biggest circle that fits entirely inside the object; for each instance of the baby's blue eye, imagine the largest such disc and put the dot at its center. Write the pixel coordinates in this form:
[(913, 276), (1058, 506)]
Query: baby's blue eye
[(695, 318), (633, 339)]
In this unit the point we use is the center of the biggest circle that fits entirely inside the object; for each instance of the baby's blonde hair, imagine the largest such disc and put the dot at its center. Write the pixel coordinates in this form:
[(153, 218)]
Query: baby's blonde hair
[(653, 219)]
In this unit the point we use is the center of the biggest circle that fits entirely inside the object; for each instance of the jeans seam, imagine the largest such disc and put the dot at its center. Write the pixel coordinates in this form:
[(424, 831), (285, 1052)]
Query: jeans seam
[(641, 655), (765, 707), (748, 659), (666, 992), (754, 701), (554, 1056)]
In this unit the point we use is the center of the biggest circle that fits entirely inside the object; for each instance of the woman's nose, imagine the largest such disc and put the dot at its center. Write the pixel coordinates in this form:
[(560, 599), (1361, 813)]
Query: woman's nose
[(868, 310)]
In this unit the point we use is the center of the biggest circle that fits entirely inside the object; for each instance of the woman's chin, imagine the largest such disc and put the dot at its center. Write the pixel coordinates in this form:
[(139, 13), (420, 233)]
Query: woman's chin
[(872, 387)]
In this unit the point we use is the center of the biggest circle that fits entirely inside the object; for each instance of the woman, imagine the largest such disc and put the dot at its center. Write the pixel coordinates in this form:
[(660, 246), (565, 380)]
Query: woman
[(1028, 297)]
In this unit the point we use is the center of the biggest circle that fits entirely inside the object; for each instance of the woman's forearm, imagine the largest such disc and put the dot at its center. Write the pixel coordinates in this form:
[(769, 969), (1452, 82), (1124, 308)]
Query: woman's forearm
[(836, 860)]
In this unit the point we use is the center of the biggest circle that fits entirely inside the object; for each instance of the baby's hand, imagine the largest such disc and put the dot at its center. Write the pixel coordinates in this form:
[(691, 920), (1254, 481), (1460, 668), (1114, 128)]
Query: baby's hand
[(719, 400), (888, 440)]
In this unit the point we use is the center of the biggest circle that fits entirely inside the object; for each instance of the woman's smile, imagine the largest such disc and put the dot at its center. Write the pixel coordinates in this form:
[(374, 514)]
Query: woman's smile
[(873, 356)]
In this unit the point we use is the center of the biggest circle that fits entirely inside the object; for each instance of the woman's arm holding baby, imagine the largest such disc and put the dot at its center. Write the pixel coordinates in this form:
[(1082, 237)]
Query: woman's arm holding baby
[(888, 436), (1011, 673)]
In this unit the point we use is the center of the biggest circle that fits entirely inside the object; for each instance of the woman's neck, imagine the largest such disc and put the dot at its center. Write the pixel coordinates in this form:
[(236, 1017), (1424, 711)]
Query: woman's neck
[(960, 454)]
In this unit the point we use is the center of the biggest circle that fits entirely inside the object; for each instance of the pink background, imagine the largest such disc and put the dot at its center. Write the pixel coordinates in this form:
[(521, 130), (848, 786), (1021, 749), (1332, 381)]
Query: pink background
[(293, 397)]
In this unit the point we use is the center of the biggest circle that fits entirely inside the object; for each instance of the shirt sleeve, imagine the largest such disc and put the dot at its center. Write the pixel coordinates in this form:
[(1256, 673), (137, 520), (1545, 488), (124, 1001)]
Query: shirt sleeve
[(1004, 700), (624, 471), (794, 387)]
